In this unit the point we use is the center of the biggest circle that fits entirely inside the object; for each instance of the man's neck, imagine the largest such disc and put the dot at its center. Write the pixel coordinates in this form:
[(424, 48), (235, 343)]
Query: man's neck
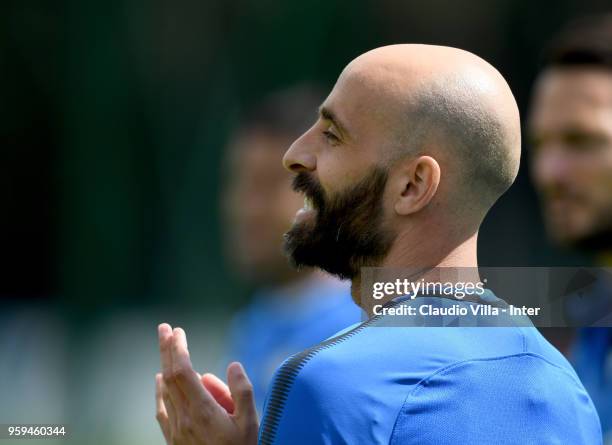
[(426, 259)]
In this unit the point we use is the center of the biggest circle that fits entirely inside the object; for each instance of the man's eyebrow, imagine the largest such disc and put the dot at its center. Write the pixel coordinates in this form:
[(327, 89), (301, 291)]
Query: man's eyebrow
[(329, 115)]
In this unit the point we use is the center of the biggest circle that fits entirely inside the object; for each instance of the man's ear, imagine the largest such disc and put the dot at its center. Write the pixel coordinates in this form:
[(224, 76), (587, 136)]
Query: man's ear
[(419, 182)]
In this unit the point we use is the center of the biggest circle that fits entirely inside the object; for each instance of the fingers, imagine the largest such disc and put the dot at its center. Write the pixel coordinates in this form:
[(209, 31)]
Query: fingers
[(200, 401), (182, 369), (242, 393), (170, 408), (219, 390), (188, 404), (161, 413), (164, 331), (177, 399)]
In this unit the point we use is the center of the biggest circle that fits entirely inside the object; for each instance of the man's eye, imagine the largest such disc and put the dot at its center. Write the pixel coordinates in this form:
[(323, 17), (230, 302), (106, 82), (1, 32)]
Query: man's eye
[(331, 137), (582, 141)]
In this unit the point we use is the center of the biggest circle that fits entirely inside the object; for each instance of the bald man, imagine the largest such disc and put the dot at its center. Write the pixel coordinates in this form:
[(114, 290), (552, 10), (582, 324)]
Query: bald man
[(411, 148)]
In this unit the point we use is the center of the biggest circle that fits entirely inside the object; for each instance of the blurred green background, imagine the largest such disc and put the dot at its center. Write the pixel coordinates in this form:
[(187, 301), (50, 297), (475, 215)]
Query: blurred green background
[(114, 118)]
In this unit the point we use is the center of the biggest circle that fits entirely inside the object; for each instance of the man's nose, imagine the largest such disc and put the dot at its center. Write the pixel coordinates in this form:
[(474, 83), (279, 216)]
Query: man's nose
[(300, 157), (552, 166)]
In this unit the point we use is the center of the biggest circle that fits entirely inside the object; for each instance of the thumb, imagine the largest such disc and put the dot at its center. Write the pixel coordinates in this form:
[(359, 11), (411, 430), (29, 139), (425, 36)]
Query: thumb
[(242, 392)]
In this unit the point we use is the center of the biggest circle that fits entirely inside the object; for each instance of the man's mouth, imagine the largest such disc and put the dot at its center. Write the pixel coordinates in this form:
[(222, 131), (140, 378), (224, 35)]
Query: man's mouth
[(561, 205), (306, 212)]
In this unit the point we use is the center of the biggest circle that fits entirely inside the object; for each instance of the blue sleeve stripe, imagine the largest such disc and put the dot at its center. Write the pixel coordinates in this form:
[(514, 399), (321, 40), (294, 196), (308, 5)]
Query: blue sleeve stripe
[(286, 375)]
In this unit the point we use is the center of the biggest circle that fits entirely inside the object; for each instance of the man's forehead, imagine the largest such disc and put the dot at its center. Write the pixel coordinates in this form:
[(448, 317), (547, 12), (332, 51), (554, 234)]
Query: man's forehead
[(578, 99), (583, 86), (358, 97), (376, 77)]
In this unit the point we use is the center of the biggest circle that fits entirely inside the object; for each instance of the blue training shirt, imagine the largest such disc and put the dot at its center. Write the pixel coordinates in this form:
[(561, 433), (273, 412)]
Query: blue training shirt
[(378, 384)]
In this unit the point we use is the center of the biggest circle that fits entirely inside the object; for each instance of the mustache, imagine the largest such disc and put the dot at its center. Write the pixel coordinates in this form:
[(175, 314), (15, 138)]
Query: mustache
[(561, 192), (306, 183)]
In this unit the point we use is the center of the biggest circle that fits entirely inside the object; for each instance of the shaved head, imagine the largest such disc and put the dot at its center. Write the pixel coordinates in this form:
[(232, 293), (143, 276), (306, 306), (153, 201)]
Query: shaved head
[(449, 103), (412, 147)]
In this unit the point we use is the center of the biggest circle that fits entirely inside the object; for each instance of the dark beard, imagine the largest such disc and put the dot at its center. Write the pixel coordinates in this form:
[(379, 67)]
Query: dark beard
[(347, 234)]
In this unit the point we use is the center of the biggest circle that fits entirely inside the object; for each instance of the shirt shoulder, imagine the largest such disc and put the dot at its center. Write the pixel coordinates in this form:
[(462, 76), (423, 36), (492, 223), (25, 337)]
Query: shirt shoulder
[(372, 384), (522, 398), (353, 385)]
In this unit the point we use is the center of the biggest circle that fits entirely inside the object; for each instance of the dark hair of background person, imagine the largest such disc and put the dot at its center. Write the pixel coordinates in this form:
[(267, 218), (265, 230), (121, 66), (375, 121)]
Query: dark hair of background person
[(288, 112), (584, 41)]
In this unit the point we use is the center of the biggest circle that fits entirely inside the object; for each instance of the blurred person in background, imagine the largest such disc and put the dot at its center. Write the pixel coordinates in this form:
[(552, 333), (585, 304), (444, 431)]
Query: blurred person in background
[(570, 126), (290, 310)]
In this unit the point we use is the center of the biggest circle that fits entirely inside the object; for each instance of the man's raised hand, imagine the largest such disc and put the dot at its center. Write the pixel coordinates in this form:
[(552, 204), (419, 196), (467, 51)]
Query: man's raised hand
[(201, 410)]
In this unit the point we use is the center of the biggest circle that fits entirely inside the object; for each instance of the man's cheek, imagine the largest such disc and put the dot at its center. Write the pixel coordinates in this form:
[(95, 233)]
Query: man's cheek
[(585, 215), (334, 177), (571, 217), (584, 219)]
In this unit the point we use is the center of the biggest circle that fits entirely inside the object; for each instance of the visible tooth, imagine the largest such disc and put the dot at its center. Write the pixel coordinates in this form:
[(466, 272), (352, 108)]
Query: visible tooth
[(308, 203)]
